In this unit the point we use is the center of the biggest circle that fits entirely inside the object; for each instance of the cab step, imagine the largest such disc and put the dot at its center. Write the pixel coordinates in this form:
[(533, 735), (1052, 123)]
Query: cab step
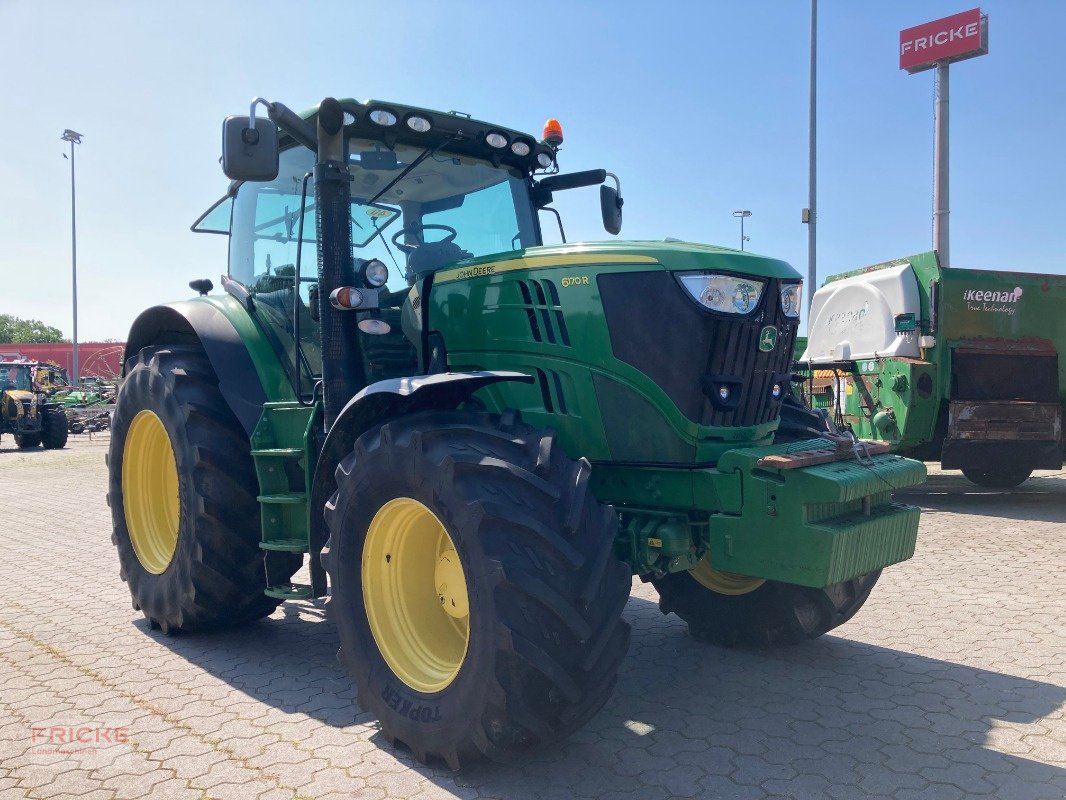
[(292, 591)]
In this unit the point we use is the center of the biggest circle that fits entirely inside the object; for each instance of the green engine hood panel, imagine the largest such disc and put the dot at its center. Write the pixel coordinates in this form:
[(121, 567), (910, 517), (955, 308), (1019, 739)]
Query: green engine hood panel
[(677, 256)]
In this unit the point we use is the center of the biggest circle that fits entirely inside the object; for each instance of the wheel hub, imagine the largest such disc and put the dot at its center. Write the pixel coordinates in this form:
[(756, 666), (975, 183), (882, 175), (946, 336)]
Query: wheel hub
[(451, 585), (150, 498), (415, 594)]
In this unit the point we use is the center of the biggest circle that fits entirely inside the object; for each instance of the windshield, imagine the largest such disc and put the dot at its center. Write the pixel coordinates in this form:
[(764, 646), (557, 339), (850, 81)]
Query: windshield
[(444, 209), (14, 376)]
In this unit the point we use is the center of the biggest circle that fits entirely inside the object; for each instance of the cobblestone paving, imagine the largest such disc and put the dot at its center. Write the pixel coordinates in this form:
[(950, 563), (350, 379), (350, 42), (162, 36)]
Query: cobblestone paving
[(951, 682)]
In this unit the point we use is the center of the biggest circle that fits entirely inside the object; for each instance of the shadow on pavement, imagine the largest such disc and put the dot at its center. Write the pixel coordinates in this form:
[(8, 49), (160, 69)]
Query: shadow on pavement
[(688, 719), (1042, 498)]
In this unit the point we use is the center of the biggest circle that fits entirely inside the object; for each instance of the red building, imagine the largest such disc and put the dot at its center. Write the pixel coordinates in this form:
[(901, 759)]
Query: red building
[(103, 359)]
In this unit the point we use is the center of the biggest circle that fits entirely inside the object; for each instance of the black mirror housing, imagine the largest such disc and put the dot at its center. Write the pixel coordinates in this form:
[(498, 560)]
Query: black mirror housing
[(249, 154), (611, 209)]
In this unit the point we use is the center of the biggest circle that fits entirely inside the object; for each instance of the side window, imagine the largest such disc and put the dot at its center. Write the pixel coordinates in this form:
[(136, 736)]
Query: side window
[(266, 218)]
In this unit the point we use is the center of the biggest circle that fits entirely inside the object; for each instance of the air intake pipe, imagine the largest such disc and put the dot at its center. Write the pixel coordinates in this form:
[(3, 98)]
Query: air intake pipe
[(342, 362)]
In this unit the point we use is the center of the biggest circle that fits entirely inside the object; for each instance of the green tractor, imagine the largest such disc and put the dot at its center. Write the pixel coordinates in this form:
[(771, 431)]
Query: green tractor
[(476, 439), (25, 411)]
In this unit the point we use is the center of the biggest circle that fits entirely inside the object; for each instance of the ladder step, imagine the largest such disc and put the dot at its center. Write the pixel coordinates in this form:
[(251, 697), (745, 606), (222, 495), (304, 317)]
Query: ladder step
[(293, 591), (280, 452), (285, 545), (285, 498)]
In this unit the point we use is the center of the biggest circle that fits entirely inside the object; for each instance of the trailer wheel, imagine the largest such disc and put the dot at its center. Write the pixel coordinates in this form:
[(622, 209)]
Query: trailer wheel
[(182, 491), (728, 610), (26, 441), (54, 435), (1005, 478), (474, 587)]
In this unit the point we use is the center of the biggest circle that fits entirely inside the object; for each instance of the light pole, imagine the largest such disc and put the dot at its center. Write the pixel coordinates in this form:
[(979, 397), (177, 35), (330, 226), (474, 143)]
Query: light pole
[(811, 217), (74, 138), (742, 215)]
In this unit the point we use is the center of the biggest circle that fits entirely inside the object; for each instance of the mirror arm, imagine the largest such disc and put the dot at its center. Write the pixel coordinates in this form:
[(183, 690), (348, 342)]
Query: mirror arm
[(286, 119), (617, 183), (294, 125), (257, 101)]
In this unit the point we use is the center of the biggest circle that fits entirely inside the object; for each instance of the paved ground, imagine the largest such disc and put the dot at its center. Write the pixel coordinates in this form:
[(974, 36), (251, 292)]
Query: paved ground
[(951, 682)]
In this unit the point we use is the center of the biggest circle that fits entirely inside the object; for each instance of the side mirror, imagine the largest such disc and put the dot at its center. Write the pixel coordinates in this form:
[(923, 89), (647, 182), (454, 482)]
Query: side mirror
[(611, 209), (249, 153)]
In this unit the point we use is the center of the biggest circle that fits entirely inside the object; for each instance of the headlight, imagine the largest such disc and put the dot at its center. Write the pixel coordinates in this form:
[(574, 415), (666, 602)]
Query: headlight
[(791, 298), (375, 273), (726, 294)]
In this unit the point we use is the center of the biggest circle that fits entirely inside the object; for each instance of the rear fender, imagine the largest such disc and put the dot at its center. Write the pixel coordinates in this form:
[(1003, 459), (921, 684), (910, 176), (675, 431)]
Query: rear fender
[(245, 382)]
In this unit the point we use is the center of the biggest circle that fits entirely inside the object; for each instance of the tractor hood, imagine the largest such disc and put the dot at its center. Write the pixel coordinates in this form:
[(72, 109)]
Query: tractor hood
[(648, 255)]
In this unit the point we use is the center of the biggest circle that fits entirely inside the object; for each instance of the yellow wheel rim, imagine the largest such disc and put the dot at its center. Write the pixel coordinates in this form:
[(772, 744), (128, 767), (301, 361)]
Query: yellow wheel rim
[(150, 492), (414, 590), (721, 581)]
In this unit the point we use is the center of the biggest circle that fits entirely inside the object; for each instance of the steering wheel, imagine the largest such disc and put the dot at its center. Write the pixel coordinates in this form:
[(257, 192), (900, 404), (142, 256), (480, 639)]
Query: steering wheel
[(419, 230)]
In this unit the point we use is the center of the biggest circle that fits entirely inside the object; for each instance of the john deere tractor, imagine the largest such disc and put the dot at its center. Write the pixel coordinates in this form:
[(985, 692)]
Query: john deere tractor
[(25, 411), (476, 439)]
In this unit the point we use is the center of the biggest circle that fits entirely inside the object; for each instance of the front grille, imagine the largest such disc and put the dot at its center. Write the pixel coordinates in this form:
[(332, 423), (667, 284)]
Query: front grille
[(658, 328)]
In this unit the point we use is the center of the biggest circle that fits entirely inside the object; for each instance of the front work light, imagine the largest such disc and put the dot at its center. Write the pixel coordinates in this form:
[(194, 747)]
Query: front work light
[(497, 140), (419, 124), (544, 160), (380, 116), (791, 297), (726, 294), (375, 273), (520, 148)]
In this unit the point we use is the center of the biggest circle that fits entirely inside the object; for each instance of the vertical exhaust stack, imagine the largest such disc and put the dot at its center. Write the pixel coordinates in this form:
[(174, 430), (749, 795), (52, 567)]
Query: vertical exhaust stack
[(342, 363)]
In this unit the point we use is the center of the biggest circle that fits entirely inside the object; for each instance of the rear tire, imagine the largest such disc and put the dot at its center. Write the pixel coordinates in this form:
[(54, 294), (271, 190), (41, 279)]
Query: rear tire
[(26, 441), (544, 591), (212, 576), (54, 435), (1005, 478)]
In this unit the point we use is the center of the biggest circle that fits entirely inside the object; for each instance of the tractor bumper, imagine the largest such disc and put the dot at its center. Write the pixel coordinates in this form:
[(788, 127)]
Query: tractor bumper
[(813, 525)]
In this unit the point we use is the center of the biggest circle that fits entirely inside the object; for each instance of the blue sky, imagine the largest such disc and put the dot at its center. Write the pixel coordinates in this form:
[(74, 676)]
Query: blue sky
[(700, 107)]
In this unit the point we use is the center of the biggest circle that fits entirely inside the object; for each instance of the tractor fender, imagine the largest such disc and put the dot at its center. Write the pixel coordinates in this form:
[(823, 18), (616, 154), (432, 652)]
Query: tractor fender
[(193, 322), (378, 403)]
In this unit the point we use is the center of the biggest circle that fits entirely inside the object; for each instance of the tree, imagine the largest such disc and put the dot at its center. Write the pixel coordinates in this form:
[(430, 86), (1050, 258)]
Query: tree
[(27, 331)]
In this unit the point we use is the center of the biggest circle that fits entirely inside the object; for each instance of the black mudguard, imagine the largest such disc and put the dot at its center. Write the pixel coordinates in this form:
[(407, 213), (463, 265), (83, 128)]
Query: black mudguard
[(189, 322)]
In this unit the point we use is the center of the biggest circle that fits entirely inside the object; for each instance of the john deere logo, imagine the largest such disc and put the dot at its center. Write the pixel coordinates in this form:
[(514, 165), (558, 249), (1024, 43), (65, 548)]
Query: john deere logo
[(768, 339)]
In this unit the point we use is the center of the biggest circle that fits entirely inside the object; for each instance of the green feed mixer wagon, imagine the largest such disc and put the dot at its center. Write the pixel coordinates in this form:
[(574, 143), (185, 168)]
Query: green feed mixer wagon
[(476, 440), (961, 366)]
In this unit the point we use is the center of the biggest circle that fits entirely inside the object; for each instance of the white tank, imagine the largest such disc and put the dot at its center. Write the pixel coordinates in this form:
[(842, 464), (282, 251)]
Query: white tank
[(854, 318)]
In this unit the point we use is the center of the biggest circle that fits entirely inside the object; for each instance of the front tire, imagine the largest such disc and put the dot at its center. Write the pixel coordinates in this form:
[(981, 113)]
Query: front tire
[(529, 648), (27, 441), (182, 490), (54, 434), (729, 610)]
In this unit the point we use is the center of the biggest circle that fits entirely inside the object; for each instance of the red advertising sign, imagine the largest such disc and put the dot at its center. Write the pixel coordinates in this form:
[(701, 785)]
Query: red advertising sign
[(949, 39)]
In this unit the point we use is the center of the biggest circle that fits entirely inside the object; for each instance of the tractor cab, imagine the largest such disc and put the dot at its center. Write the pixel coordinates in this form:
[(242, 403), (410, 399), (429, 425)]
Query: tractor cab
[(427, 191)]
